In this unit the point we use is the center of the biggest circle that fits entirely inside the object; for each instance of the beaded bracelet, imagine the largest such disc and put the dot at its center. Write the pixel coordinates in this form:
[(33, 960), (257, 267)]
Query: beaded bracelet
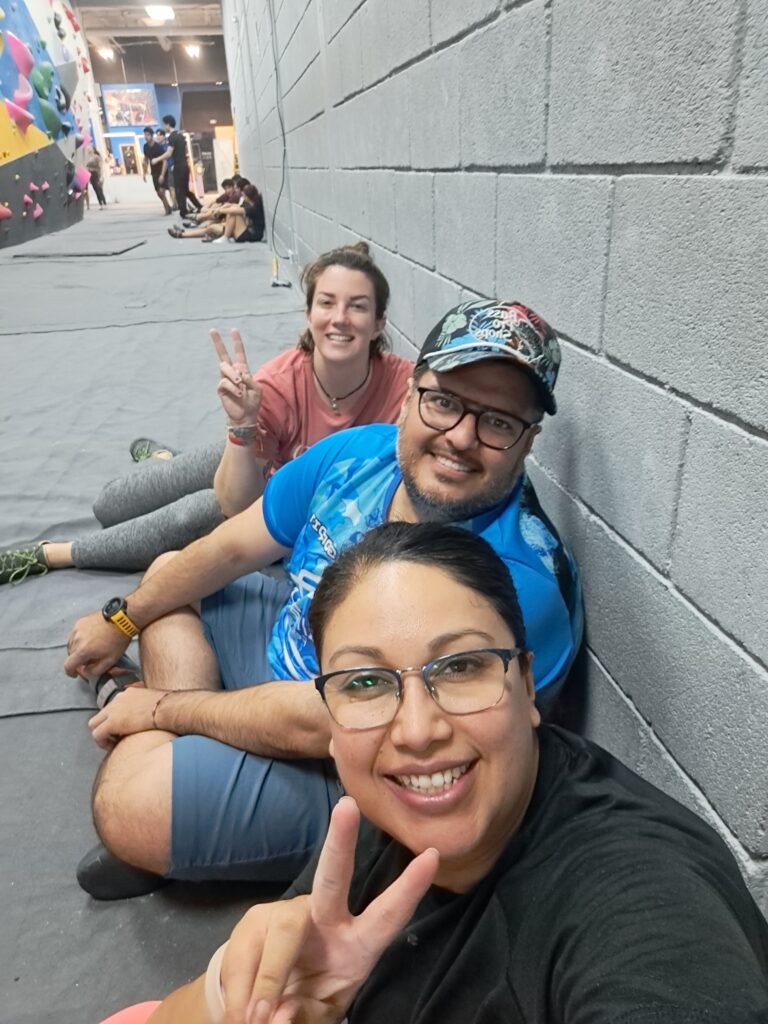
[(154, 709)]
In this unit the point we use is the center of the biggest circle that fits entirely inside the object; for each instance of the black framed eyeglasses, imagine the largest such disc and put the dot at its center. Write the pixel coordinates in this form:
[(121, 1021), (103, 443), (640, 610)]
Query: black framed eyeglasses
[(440, 410), (461, 684)]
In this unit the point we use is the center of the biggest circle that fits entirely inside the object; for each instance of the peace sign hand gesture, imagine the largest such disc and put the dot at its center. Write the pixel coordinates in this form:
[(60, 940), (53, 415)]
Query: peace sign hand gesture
[(238, 390), (302, 961)]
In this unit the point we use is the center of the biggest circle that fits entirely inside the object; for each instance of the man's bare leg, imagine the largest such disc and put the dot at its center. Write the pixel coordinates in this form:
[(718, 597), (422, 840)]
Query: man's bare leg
[(132, 791)]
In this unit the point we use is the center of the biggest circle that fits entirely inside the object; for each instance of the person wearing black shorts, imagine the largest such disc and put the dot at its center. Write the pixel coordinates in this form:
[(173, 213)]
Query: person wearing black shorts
[(177, 150), (153, 149)]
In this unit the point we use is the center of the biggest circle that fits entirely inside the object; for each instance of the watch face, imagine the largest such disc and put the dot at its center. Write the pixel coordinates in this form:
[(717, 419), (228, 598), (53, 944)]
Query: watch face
[(113, 606)]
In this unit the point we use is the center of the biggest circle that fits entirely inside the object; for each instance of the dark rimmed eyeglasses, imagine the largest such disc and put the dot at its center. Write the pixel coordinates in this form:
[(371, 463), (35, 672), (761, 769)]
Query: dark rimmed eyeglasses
[(461, 684), (440, 410)]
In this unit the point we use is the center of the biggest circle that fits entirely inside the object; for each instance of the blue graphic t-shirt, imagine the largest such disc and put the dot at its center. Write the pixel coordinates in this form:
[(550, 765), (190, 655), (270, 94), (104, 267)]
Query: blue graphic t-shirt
[(324, 501)]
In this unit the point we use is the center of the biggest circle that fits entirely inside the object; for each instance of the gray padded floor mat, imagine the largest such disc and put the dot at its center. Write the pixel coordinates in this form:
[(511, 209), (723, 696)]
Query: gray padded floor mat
[(94, 353)]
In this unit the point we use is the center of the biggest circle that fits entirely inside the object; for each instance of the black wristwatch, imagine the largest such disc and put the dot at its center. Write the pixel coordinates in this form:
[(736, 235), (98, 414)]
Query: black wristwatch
[(116, 612)]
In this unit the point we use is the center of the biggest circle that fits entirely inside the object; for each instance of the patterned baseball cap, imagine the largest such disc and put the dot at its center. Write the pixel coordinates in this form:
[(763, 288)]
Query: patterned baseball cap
[(496, 330)]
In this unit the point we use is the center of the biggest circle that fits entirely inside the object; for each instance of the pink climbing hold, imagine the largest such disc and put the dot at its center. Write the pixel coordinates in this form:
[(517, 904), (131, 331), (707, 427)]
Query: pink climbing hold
[(38, 211), (23, 93), (28, 200), (81, 178), (20, 117), (45, 186), (32, 187), (5, 213), (20, 53)]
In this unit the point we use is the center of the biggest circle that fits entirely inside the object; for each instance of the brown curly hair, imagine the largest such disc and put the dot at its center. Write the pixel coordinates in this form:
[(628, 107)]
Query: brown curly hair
[(353, 257)]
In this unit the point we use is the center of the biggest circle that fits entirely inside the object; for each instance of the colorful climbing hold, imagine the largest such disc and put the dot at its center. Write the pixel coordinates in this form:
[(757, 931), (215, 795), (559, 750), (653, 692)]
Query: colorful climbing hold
[(42, 78), (2, 14), (44, 187), (5, 213), (27, 200), (62, 99), (20, 53), (51, 119), (20, 117), (32, 187), (23, 93), (38, 211), (81, 177)]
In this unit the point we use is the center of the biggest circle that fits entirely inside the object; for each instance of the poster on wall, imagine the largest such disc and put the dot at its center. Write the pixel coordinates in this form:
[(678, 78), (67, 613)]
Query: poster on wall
[(130, 105)]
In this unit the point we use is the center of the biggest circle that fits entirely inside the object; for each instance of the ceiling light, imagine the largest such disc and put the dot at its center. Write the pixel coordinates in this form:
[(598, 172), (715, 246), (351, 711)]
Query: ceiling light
[(192, 50), (213, 121), (219, 83), (106, 52), (160, 13)]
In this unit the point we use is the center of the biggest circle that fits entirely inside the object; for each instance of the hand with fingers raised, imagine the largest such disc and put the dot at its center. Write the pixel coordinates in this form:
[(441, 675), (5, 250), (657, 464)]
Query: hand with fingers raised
[(238, 390), (302, 961)]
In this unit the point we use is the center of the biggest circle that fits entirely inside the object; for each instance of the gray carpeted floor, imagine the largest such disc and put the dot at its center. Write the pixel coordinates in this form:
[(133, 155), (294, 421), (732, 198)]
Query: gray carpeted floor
[(94, 351)]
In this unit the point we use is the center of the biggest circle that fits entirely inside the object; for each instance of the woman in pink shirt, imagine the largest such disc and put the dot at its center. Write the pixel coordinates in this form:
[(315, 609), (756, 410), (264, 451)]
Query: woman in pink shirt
[(340, 375)]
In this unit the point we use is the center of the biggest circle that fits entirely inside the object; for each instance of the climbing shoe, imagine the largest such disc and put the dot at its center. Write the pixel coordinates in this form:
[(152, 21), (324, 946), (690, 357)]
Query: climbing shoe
[(18, 563), (144, 448)]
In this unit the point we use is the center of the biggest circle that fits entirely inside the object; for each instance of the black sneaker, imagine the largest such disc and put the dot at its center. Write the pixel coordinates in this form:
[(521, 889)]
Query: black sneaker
[(17, 564), (122, 674), (106, 878)]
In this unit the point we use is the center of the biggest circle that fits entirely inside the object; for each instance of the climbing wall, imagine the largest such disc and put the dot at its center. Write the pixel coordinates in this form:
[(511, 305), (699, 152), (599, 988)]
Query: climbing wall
[(46, 102)]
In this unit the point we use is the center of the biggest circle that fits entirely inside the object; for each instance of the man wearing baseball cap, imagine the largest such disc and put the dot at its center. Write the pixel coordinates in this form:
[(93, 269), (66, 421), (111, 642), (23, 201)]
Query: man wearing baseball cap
[(220, 766)]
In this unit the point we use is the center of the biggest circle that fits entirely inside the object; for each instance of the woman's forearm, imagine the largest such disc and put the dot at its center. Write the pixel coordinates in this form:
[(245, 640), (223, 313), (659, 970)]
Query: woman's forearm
[(239, 480), (186, 1005)]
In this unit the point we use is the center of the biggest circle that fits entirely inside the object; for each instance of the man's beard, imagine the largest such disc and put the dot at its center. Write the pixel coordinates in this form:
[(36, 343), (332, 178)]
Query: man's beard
[(435, 510)]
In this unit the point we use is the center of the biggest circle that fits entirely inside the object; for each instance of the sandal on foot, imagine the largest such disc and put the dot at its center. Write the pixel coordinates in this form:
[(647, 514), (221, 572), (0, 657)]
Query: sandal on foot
[(175, 232)]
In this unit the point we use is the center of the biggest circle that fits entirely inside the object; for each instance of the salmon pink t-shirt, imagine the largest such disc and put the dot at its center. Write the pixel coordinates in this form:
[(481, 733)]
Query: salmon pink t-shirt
[(294, 416)]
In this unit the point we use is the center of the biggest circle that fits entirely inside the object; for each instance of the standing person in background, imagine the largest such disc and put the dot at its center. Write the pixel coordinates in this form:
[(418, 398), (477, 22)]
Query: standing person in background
[(94, 165), (177, 148), (153, 149), (167, 177)]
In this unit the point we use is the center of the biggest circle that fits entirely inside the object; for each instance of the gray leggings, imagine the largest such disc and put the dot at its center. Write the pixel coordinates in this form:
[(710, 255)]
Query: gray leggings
[(160, 506)]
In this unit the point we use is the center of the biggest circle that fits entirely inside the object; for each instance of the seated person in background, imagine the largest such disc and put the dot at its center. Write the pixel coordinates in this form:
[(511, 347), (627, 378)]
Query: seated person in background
[(211, 210), (504, 870), (237, 222), (339, 375), (252, 759)]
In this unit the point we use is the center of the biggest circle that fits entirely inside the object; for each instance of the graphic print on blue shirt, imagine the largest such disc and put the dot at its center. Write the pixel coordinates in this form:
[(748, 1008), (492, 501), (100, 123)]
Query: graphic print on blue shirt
[(324, 501)]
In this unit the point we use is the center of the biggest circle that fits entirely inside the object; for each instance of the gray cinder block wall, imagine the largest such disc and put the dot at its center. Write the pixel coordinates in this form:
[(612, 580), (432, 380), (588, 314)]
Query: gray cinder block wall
[(607, 162)]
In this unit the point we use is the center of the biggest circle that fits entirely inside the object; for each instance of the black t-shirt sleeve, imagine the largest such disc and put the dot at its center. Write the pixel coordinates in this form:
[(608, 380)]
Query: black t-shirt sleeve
[(630, 949)]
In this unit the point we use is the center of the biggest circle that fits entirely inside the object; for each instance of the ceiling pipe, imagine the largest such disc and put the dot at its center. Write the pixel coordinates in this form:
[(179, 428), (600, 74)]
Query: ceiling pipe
[(116, 30)]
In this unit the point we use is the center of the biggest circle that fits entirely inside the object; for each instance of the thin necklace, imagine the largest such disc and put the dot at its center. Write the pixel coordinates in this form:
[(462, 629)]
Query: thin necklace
[(340, 398)]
